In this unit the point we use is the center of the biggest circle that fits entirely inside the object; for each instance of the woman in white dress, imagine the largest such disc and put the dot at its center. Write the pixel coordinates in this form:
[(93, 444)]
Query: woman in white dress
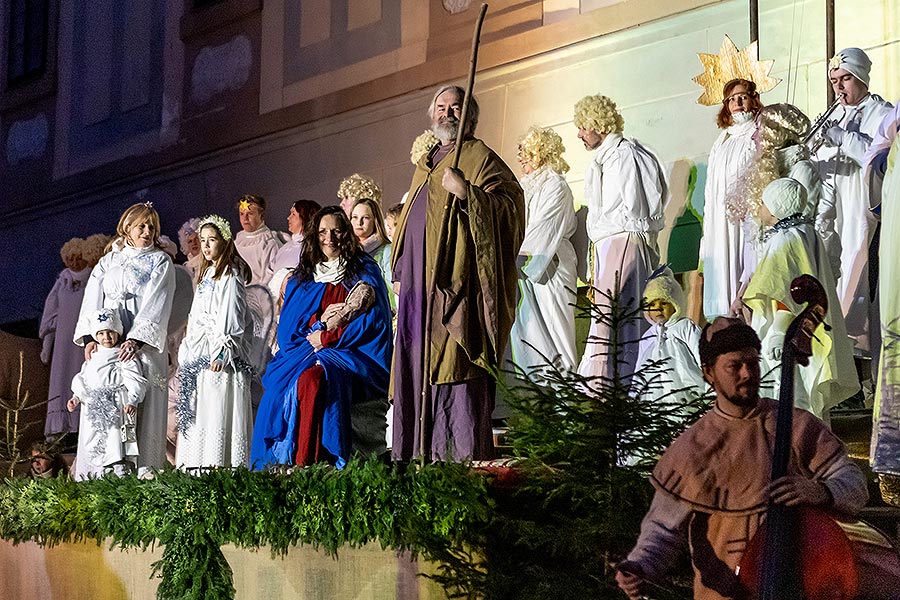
[(56, 331), (213, 408), (368, 226), (723, 248), (136, 278), (544, 329), (286, 258)]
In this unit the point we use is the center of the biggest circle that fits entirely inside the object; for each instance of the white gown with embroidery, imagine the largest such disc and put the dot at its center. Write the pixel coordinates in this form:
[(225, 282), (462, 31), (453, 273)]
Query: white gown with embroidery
[(214, 416), (104, 386), (139, 283)]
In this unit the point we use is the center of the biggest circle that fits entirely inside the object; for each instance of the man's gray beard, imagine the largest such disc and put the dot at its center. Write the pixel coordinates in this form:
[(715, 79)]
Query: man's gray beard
[(446, 132)]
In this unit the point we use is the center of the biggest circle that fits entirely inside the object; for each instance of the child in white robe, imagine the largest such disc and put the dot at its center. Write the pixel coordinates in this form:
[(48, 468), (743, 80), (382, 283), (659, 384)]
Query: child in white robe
[(109, 390), (791, 247), (213, 408), (672, 338)]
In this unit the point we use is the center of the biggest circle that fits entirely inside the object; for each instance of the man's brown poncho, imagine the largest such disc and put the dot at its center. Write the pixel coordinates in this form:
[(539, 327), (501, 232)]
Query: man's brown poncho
[(471, 248)]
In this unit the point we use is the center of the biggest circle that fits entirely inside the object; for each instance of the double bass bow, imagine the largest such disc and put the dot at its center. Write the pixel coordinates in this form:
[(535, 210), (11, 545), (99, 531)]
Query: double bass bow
[(799, 552)]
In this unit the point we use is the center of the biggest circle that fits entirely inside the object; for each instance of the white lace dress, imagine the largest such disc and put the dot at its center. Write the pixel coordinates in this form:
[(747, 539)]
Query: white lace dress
[(215, 421)]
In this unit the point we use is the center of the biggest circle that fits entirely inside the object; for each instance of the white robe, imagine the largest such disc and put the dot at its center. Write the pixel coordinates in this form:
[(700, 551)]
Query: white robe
[(544, 329), (724, 248), (626, 190), (219, 434), (886, 412), (830, 378), (104, 386), (64, 357), (288, 255), (844, 216), (139, 283), (258, 249), (677, 342)]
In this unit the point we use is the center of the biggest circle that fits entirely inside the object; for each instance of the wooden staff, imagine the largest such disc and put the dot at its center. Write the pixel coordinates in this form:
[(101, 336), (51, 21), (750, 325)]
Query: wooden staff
[(425, 405)]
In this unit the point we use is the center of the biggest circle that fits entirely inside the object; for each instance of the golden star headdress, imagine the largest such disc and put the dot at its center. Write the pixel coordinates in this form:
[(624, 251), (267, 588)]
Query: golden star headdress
[(731, 63)]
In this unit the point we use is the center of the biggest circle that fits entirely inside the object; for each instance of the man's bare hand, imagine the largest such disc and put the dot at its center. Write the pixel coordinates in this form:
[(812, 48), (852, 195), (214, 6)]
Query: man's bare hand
[(454, 182), (89, 349), (794, 490), (629, 580), (315, 338)]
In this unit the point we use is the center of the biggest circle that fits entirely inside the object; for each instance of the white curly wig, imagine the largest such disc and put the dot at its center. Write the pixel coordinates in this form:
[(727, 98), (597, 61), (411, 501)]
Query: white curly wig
[(542, 146), (422, 144), (598, 113), (72, 250), (359, 186)]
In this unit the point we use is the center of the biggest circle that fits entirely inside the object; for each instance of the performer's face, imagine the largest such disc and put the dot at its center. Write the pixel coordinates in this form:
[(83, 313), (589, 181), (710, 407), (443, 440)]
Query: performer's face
[(738, 99), (211, 243), (140, 235), (843, 82), (590, 138), (40, 463), (659, 311), (389, 225), (107, 338), (445, 118), (363, 222), (193, 244), (295, 224), (735, 377), (329, 237), (74, 263), (251, 217)]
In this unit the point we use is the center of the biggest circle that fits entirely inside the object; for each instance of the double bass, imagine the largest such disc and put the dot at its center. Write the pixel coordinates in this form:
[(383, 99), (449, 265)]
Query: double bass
[(799, 552)]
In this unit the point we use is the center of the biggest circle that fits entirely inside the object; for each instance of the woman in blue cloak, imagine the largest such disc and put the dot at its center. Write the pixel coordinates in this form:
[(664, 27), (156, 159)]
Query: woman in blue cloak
[(326, 388)]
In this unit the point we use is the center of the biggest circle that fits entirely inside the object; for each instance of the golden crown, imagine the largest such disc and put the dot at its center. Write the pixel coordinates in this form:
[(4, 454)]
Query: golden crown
[(731, 63)]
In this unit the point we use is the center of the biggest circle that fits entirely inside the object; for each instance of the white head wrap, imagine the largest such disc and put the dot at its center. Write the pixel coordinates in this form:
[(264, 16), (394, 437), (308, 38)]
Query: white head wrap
[(106, 319), (665, 287), (784, 197), (853, 60)]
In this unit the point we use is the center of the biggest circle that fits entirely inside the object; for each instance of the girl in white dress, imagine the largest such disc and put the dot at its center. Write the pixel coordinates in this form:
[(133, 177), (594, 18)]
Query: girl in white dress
[(110, 390), (136, 279), (213, 408)]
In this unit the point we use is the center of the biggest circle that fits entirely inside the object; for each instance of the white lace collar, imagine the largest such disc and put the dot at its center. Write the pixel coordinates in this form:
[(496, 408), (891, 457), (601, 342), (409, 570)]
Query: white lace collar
[(330, 271)]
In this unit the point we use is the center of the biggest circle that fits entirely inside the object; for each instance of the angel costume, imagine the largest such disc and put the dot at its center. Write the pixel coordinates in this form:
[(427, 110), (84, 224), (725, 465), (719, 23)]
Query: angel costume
[(65, 358), (625, 189), (723, 248), (844, 207), (791, 248), (258, 248), (139, 283), (381, 254), (544, 329), (674, 345), (213, 409), (305, 413)]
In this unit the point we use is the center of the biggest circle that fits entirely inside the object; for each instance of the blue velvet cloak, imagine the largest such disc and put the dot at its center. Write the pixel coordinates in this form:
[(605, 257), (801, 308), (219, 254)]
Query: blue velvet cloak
[(357, 368)]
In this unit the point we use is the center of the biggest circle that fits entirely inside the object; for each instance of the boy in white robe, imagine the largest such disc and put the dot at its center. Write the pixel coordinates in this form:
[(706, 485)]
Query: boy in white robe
[(672, 338), (256, 243), (790, 248), (110, 390)]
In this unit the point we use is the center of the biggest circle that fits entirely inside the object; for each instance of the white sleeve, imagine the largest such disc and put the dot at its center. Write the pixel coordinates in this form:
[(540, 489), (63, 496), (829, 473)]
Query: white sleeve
[(133, 380), (151, 320), (93, 300), (230, 320), (643, 190), (546, 227), (51, 310)]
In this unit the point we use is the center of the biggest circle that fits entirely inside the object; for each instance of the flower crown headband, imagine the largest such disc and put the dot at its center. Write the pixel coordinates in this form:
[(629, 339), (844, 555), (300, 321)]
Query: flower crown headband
[(219, 223)]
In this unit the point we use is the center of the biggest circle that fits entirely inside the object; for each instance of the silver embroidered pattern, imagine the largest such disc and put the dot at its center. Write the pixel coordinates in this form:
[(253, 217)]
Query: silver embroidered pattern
[(786, 223), (139, 269), (186, 404), (103, 412)]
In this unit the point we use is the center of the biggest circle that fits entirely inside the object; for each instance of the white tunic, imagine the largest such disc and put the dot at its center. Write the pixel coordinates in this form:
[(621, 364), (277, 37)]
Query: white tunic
[(104, 386), (844, 216), (830, 378), (723, 248), (544, 329), (64, 357), (677, 343), (139, 283), (219, 433), (625, 189), (258, 249), (288, 255)]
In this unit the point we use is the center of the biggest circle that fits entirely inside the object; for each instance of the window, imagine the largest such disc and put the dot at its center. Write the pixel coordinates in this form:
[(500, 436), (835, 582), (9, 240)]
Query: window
[(27, 52)]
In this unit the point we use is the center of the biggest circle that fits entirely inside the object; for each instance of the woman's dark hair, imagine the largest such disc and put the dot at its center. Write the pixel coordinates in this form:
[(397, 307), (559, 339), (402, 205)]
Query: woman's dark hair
[(348, 246), (724, 118), (305, 210), (229, 260)]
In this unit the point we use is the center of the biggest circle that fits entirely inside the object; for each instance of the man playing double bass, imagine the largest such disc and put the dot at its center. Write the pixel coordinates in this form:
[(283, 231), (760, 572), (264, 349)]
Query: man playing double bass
[(712, 483)]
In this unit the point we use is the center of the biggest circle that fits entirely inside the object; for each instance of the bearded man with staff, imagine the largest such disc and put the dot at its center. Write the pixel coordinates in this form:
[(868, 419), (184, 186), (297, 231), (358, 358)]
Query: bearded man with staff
[(454, 269)]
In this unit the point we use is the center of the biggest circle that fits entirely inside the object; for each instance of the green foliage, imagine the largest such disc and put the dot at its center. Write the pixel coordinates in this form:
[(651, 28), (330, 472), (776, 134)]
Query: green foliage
[(584, 446), (437, 511)]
